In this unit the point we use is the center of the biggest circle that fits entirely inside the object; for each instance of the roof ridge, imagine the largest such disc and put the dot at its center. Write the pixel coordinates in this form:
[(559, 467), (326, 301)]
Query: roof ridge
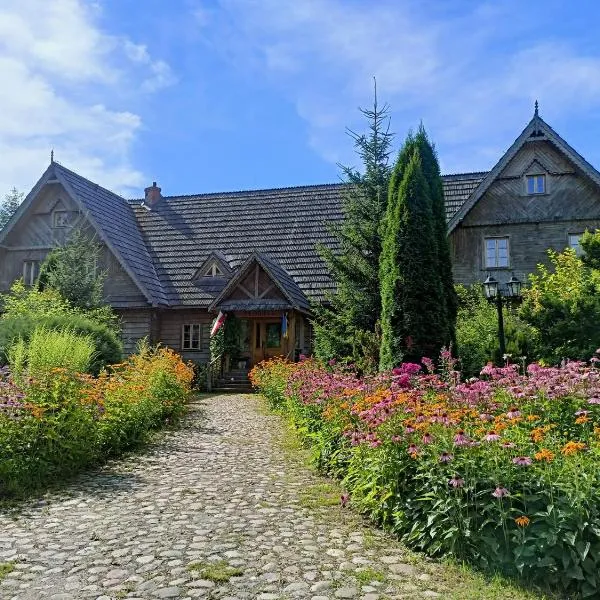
[(60, 165)]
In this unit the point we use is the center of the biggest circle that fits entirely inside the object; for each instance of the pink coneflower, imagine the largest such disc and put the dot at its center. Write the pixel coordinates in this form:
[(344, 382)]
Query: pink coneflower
[(409, 429), (446, 457), (332, 362), (500, 492), (582, 412), (344, 498), (513, 413), (594, 401), (492, 436), (456, 482), (413, 449), (486, 417), (460, 439), (508, 445), (396, 438), (522, 461), (427, 438)]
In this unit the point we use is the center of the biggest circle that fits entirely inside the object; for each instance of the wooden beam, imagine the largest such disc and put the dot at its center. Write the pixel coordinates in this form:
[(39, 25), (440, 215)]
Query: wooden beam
[(256, 282), (267, 290), (248, 293)]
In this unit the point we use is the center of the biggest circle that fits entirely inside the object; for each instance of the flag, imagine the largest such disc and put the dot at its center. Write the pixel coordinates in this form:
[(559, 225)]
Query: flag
[(284, 325), (218, 323)]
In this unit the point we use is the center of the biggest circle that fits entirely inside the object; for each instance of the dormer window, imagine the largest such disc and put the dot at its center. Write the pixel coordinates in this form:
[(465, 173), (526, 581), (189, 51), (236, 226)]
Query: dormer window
[(536, 184), (60, 218), (213, 271)]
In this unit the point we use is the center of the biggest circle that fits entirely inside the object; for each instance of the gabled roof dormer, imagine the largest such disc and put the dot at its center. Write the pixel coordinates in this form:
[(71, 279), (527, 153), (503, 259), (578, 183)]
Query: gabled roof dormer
[(215, 266)]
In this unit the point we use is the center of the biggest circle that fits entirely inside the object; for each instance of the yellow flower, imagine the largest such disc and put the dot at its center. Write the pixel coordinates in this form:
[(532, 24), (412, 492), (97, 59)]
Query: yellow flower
[(522, 521), (582, 419)]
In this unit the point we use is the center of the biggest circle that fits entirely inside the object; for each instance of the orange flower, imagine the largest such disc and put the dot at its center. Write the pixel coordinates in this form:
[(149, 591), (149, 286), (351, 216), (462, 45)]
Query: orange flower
[(537, 434), (597, 431), (582, 419), (532, 418), (572, 448), (522, 521), (544, 454)]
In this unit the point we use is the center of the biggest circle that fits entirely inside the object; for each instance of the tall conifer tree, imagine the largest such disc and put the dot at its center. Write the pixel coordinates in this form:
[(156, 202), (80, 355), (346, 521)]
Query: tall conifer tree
[(431, 171), (351, 315), (412, 322)]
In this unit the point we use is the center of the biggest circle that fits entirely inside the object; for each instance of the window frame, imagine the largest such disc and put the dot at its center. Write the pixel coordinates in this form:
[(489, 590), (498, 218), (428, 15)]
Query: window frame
[(535, 176), (31, 272), (578, 250), (213, 271), (55, 214), (496, 266), (190, 347)]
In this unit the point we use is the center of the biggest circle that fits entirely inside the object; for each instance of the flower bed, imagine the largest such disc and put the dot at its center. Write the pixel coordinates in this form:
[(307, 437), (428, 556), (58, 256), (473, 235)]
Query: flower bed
[(502, 471), (58, 422)]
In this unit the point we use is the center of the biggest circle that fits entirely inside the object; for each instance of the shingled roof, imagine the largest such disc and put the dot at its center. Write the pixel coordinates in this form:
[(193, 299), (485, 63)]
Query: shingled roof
[(116, 223)]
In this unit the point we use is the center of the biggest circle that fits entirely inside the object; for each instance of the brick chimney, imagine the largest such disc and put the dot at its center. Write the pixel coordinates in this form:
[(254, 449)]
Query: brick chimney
[(152, 195)]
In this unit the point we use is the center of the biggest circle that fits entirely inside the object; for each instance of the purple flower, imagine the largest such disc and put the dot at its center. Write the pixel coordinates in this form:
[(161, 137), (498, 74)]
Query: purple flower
[(409, 429), (508, 445), (446, 457), (513, 413), (456, 482), (332, 362), (413, 449), (486, 417), (460, 439), (492, 436), (500, 492), (522, 461), (427, 438), (396, 438), (594, 401)]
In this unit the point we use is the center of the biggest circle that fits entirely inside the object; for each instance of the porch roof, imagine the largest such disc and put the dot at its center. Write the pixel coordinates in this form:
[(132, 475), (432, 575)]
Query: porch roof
[(255, 305)]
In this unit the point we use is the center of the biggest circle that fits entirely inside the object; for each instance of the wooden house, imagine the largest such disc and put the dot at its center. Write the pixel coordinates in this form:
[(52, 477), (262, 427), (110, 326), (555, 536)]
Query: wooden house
[(174, 262)]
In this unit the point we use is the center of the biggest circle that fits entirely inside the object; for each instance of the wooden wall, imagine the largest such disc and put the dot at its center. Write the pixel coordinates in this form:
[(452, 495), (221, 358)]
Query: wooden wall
[(169, 331), (533, 223), (135, 325), (34, 236)]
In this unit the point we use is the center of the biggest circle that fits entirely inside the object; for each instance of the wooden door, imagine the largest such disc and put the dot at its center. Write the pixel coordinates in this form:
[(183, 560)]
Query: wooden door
[(268, 341)]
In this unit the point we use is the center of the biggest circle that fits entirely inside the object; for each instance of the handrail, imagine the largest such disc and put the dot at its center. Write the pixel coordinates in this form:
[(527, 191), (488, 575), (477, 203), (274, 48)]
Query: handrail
[(210, 371)]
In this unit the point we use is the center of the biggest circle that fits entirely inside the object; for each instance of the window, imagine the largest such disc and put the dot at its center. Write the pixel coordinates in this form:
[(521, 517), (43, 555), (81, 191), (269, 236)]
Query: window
[(574, 239), (191, 337), (496, 253), (61, 218), (213, 271), (31, 270), (273, 335), (536, 184)]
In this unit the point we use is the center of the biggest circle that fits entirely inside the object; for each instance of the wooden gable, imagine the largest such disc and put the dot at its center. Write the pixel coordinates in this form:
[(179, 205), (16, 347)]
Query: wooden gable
[(570, 194), (256, 285)]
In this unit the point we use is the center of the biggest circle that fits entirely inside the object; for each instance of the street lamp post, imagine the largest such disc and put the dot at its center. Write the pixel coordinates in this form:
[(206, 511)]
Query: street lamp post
[(497, 296)]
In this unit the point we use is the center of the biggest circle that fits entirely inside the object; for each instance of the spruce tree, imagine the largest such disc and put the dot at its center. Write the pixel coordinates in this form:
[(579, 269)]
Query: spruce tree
[(9, 206), (347, 324), (431, 171), (411, 290)]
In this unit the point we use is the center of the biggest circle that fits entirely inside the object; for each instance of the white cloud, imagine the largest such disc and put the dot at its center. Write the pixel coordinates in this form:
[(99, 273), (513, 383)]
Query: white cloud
[(471, 72), (61, 78)]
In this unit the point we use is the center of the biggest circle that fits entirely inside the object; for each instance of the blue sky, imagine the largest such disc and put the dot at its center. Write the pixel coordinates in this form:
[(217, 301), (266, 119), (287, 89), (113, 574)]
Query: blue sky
[(217, 95)]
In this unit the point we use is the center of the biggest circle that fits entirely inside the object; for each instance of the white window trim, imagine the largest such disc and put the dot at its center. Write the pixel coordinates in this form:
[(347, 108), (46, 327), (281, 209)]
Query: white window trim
[(578, 250), (534, 193), (496, 237)]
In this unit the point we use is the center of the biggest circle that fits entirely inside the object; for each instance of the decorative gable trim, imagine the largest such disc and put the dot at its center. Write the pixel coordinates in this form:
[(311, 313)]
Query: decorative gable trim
[(215, 260), (255, 259), (536, 130)]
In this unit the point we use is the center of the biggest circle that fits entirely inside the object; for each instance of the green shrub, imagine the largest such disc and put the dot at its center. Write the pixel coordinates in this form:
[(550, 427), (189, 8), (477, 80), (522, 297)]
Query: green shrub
[(563, 304), (47, 349), (107, 345), (477, 332)]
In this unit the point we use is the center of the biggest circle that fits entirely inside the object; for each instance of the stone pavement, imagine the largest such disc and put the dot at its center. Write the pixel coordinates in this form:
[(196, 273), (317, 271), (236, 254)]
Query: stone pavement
[(220, 508)]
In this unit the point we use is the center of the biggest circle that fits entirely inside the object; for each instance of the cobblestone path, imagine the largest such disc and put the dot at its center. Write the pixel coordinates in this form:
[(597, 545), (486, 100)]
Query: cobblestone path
[(221, 498)]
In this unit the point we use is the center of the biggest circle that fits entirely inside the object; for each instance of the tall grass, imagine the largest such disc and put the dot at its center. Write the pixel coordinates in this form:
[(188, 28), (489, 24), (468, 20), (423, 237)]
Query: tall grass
[(48, 349)]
